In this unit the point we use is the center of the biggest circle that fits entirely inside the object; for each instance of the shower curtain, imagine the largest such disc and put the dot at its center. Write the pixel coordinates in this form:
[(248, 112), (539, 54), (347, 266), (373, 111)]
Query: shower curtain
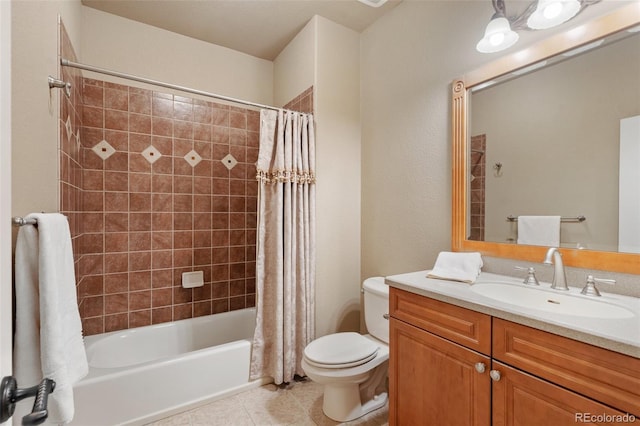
[(285, 247)]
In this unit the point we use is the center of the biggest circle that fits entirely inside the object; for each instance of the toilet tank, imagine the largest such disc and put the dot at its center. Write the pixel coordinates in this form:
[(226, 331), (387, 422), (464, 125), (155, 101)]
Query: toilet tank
[(376, 306)]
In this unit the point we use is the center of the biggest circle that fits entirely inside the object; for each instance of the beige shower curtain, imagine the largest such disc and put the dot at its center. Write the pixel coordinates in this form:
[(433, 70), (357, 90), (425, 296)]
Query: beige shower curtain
[(285, 248)]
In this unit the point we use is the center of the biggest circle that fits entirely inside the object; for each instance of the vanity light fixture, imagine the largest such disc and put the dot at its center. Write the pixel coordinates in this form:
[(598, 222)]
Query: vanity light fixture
[(500, 33), (550, 13)]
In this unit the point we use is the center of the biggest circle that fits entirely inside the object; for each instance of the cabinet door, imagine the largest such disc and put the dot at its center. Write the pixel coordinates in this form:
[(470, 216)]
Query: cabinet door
[(522, 399), (433, 381), (597, 373)]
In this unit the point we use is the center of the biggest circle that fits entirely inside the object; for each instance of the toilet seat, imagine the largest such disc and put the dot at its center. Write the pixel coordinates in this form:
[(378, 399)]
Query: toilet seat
[(340, 350)]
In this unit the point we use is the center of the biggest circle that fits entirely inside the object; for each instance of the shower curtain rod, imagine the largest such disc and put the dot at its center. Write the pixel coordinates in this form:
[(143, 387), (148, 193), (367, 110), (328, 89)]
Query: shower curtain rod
[(67, 63)]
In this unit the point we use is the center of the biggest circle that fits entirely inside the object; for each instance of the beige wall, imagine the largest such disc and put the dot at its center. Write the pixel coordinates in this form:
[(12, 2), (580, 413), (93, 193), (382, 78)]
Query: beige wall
[(556, 132), (338, 155), (294, 70), (34, 106), (112, 42), (5, 190), (34, 123), (408, 60), (326, 55)]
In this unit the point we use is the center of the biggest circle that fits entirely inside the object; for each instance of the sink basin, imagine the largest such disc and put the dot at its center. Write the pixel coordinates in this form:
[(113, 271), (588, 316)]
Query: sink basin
[(550, 301)]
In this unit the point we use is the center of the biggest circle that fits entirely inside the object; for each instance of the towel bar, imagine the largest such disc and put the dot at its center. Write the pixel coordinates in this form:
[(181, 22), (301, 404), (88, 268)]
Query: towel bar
[(10, 395), (20, 221), (580, 218)]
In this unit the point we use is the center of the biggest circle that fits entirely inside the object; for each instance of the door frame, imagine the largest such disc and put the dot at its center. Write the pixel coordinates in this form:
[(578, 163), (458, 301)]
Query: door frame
[(6, 305)]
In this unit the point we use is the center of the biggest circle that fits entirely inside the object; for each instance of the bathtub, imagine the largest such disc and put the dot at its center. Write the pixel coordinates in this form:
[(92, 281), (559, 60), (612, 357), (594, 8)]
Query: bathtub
[(143, 374)]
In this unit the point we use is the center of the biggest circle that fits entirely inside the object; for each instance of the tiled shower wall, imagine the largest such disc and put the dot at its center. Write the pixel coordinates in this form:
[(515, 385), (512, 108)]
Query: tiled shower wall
[(175, 192), (478, 173), (303, 102), (69, 147), (154, 185)]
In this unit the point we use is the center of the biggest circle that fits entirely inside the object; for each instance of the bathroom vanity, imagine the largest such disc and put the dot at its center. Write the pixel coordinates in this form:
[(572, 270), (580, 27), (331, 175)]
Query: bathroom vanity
[(459, 358)]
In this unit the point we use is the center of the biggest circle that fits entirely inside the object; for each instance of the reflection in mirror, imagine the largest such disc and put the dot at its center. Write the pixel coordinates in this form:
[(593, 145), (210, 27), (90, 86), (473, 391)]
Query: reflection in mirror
[(545, 141), (586, 169)]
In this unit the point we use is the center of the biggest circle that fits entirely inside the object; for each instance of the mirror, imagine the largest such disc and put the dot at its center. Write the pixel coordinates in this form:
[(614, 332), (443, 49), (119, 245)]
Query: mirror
[(507, 162), (547, 142)]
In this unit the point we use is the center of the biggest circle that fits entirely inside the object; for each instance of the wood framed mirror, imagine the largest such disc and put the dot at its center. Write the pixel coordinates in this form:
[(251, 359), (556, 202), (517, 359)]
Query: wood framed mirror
[(616, 22)]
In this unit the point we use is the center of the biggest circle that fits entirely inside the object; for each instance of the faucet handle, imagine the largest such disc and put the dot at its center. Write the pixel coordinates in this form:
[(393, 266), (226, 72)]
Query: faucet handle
[(531, 275), (590, 288)]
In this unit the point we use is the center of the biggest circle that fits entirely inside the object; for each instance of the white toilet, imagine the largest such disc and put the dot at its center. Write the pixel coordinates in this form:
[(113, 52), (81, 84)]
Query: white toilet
[(351, 366)]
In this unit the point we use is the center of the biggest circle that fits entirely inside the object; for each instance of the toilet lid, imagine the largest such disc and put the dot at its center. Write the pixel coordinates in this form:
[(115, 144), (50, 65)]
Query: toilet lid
[(340, 350)]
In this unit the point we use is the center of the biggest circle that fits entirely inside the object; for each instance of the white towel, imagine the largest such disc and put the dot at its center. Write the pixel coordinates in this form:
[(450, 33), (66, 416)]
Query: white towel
[(539, 230), (48, 338), (457, 266)]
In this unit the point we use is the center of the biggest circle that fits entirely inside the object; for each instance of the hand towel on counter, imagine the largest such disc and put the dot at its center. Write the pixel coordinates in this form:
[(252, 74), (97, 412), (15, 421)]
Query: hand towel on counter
[(458, 266), (48, 337), (539, 230)]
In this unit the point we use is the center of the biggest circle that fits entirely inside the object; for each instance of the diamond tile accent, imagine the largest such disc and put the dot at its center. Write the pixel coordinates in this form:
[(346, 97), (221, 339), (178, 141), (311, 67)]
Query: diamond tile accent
[(78, 139), (67, 126), (151, 154), (229, 161), (193, 158), (103, 149)]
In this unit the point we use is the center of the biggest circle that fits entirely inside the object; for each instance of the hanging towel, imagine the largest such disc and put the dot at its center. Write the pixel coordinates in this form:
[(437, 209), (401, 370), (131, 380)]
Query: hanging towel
[(539, 230), (457, 266), (48, 337)]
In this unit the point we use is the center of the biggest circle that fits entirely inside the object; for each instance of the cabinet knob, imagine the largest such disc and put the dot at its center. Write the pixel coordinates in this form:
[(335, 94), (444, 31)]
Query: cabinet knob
[(495, 375), (480, 367)]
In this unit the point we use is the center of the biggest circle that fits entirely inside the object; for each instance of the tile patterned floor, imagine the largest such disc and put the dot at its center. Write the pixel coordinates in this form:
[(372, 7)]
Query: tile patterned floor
[(298, 404)]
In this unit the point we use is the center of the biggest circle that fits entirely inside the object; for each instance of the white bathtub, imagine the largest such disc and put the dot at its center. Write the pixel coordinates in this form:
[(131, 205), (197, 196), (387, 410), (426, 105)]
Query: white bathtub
[(140, 375)]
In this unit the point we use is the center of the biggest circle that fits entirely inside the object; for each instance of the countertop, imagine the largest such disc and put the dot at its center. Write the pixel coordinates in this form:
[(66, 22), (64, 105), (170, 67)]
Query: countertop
[(621, 334)]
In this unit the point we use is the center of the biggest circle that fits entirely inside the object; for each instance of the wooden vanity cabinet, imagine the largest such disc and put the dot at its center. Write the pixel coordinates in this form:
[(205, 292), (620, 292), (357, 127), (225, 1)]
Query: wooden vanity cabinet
[(600, 374), (434, 381), (519, 398), (434, 378), (441, 358)]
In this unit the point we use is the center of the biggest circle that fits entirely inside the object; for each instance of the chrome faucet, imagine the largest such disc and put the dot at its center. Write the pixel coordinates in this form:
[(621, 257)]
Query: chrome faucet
[(554, 257)]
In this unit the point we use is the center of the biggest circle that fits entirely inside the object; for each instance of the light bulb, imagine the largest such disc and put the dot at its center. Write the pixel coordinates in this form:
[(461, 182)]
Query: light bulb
[(496, 39), (552, 10)]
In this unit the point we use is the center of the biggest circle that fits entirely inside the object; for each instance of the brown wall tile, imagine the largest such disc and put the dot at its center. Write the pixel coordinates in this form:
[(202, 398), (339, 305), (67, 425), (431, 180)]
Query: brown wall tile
[(140, 103), (116, 99), (161, 315), (116, 303), (139, 280), (139, 318), (116, 322), (140, 300)]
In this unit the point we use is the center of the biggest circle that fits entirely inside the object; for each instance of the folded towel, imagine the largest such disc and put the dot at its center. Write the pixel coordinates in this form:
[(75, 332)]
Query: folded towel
[(457, 266), (48, 337), (539, 230)]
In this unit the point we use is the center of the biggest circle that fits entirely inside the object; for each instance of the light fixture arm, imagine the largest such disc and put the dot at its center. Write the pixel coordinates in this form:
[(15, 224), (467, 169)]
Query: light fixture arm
[(500, 9), (519, 22)]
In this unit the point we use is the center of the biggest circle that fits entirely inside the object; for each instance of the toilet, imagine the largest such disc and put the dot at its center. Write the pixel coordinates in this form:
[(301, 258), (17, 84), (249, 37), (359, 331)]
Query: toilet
[(351, 366)]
